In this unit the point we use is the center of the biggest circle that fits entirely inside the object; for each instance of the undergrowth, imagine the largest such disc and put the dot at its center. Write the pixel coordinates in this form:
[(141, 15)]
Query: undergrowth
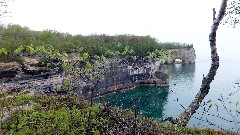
[(69, 114)]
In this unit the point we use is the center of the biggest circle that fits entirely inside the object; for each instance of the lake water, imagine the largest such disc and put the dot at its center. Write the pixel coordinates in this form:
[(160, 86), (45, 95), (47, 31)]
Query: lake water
[(185, 81)]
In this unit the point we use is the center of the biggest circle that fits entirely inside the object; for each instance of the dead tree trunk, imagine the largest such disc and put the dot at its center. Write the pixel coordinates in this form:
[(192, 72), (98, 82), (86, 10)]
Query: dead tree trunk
[(186, 115)]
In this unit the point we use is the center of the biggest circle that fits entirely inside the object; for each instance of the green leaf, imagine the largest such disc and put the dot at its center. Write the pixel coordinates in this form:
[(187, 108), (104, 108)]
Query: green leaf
[(96, 64), (117, 53), (103, 58), (69, 65), (97, 132), (4, 95), (3, 50), (58, 87), (18, 50), (125, 52), (55, 121), (81, 127), (48, 64), (88, 65), (71, 133), (30, 49), (94, 121), (85, 56), (119, 44), (80, 49), (131, 51), (126, 48), (19, 126), (12, 125), (65, 55), (100, 76), (96, 57), (134, 58)]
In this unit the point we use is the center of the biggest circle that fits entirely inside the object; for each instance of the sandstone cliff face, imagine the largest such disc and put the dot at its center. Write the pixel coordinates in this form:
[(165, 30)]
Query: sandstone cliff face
[(129, 75), (187, 56)]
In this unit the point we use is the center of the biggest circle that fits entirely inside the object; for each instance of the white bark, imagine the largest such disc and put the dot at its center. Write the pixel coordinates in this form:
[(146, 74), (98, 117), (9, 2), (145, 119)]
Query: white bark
[(186, 115)]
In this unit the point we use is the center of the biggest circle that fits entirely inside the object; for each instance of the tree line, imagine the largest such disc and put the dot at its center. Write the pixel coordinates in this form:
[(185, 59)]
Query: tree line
[(14, 36)]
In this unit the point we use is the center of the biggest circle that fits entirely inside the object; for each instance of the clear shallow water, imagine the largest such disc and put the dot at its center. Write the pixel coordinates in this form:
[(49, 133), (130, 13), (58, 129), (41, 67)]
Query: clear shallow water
[(185, 81)]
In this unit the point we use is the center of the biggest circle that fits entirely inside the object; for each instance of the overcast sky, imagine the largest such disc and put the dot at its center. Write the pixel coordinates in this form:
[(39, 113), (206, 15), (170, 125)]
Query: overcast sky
[(187, 21)]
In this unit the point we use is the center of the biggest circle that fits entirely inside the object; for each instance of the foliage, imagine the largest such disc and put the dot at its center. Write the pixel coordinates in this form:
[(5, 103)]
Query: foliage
[(55, 114), (175, 45), (50, 114), (61, 114), (14, 36), (88, 67)]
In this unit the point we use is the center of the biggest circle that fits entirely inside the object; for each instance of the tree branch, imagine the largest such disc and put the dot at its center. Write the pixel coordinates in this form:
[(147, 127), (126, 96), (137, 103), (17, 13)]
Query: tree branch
[(186, 115)]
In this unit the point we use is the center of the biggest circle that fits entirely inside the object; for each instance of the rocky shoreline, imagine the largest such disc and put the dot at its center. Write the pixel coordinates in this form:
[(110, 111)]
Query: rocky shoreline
[(30, 77)]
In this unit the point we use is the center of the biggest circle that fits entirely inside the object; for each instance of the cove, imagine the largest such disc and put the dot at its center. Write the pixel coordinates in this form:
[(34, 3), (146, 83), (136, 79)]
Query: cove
[(148, 100), (184, 83), (151, 101)]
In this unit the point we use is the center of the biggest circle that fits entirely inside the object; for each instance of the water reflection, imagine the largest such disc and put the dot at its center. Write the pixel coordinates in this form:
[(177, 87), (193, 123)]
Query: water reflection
[(176, 69), (152, 101), (149, 100), (182, 84), (185, 81), (182, 74)]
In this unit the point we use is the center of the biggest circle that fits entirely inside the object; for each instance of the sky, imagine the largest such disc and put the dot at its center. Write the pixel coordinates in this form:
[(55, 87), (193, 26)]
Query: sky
[(186, 21)]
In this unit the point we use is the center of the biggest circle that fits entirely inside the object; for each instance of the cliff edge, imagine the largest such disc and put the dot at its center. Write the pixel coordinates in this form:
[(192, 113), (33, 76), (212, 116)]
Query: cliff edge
[(186, 55)]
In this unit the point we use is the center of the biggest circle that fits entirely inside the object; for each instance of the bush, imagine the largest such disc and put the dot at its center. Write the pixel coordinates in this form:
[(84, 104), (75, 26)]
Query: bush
[(69, 114)]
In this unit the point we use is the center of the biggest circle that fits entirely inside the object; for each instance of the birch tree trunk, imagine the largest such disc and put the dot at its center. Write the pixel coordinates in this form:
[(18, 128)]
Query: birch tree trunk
[(186, 115)]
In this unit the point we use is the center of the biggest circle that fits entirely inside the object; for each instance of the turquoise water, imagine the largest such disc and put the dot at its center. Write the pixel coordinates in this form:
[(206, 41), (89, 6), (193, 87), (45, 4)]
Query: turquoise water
[(185, 81), (147, 100)]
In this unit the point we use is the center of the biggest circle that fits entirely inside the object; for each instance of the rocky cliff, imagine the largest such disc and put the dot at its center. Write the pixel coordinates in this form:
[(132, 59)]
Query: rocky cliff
[(27, 75), (31, 76), (187, 55), (126, 75)]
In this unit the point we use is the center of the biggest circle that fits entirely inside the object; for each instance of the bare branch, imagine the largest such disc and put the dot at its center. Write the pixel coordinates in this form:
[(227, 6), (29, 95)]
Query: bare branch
[(232, 15), (186, 115)]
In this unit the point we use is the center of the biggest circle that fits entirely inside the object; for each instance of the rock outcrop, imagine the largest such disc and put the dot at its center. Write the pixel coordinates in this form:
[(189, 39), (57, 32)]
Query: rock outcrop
[(187, 55), (31, 75), (126, 75)]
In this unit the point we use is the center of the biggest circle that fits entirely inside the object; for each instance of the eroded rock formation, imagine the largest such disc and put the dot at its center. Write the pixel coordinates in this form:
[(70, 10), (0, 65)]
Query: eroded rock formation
[(31, 75), (126, 75), (187, 55)]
